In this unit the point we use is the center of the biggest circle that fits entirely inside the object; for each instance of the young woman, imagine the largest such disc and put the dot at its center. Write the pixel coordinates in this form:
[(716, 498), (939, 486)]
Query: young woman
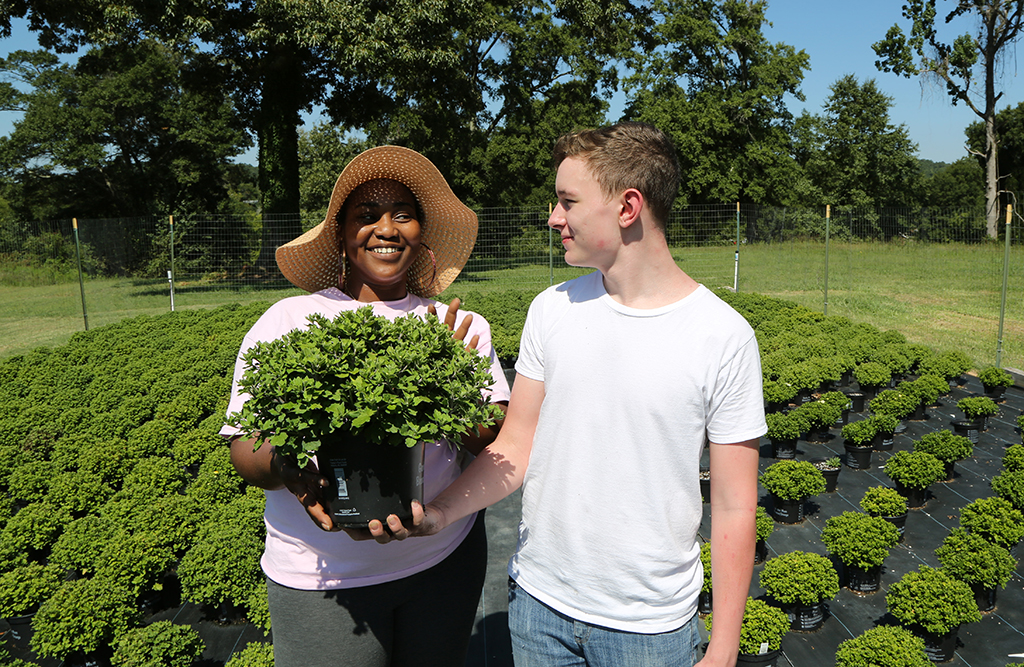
[(394, 236)]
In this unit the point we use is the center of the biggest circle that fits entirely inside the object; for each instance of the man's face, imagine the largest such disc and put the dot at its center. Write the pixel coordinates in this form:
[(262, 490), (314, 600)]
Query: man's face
[(585, 218)]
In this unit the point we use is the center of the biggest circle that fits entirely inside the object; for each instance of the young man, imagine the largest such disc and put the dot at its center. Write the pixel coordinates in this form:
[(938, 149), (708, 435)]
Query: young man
[(622, 374)]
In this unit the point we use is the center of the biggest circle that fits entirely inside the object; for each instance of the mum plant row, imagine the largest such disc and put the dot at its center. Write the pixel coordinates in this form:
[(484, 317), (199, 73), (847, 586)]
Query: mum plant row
[(117, 492)]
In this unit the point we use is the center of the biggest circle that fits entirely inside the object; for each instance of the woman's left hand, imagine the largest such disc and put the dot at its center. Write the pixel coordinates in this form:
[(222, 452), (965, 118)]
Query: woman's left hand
[(449, 320)]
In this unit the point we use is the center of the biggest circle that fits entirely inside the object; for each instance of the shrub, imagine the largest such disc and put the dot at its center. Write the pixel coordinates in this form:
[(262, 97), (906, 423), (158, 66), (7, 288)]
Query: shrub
[(945, 446), (993, 376), (705, 561), (160, 644), (819, 414), (778, 392), (883, 646), (79, 548), (836, 398), (83, 615), (914, 470), (1009, 485), (933, 600), (883, 501), (859, 540), (154, 438), (257, 609), (36, 526), (762, 624), (24, 588), (872, 374), (764, 525), (217, 482), (860, 433), (79, 491), (804, 375), (977, 406), (895, 357), (255, 654), (895, 403), (1013, 458), (193, 446), (925, 390), (974, 560), (783, 426), (793, 480), (799, 577), (153, 478), (134, 561)]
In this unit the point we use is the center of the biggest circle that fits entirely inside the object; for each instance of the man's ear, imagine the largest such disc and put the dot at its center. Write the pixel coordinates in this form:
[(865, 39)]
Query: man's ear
[(632, 201)]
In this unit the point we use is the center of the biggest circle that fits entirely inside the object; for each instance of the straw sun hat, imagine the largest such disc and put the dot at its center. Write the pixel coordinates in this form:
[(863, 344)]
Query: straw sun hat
[(448, 227)]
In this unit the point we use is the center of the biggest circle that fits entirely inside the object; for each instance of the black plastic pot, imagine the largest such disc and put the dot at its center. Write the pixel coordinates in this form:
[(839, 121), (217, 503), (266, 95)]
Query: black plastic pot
[(784, 449), (984, 596), (949, 468), (857, 400), (370, 481), (995, 393), (916, 498), (765, 660), (805, 618), (981, 422), (938, 648), (704, 603), (883, 441), (705, 485), (919, 414), (858, 458), (900, 522), (966, 428), (860, 580), (787, 511), (760, 552)]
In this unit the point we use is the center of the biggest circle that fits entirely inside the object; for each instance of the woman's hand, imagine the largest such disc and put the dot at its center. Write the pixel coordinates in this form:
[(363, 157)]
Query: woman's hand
[(307, 485), (449, 320), (425, 521)]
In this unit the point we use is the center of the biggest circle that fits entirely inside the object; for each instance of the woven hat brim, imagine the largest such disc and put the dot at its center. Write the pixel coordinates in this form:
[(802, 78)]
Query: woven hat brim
[(448, 228)]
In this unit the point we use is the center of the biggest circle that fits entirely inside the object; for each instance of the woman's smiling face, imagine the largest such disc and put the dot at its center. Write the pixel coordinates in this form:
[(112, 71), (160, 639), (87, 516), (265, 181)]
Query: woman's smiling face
[(380, 231)]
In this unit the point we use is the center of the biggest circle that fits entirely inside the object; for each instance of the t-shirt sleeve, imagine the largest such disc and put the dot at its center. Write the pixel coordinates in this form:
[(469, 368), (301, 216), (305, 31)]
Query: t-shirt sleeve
[(737, 405)]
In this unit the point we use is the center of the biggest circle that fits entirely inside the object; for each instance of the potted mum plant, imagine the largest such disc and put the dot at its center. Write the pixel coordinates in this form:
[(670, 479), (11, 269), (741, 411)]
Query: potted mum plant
[(933, 605), (841, 401), (790, 483), (761, 633), (995, 519), (857, 440), (1009, 485), (861, 543), (946, 447), (886, 645), (704, 600), (913, 473), (894, 402), (1013, 457), (363, 393), (978, 409), (995, 380), (801, 582), (871, 376), (820, 416), (881, 501), (983, 566), (763, 526), (829, 469), (777, 395), (784, 428)]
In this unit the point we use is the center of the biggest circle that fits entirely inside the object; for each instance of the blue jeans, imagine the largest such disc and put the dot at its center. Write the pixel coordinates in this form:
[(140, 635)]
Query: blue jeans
[(542, 637)]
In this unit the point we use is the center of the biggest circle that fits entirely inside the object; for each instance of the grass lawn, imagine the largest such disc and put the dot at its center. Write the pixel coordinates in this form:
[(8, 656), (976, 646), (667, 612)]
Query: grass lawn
[(945, 296)]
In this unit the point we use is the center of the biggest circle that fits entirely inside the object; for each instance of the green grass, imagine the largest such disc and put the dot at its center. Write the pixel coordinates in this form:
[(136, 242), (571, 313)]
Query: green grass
[(945, 296)]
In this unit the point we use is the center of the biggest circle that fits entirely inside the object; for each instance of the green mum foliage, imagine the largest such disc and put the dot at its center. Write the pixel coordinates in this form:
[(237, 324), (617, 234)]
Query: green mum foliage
[(82, 615), (993, 376), (914, 470), (883, 646), (792, 480), (977, 406), (800, 577), (883, 501), (933, 600), (255, 654), (872, 374), (1009, 484), (391, 382), (762, 624), (764, 524), (705, 561), (161, 644), (1013, 458), (945, 445), (974, 560), (859, 540)]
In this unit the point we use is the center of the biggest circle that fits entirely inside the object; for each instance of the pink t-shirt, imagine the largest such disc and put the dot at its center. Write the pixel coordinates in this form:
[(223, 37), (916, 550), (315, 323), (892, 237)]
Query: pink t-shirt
[(298, 553)]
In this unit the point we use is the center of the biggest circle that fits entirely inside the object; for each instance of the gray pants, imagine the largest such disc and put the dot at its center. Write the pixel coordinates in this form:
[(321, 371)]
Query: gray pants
[(424, 620)]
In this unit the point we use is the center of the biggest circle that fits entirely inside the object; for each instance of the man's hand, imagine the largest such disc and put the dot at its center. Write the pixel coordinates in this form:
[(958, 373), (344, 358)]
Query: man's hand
[(308, 485), (425, 521), (449, 320)]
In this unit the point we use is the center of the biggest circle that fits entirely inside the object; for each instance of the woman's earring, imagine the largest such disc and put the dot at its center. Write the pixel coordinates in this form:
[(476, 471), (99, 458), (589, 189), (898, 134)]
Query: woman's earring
[(342, 270)]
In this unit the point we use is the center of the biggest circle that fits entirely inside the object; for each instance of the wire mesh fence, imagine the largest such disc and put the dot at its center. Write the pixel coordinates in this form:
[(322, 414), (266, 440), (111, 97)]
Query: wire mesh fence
[(931, 273)]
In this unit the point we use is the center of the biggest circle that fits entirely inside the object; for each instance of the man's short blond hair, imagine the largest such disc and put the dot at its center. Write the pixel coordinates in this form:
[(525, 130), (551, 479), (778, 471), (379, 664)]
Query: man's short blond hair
[(627, 155)]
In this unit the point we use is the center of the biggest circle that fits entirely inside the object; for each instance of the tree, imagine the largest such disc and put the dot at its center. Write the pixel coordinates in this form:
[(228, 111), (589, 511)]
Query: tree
[(406, 71), (324, 151), (717, 87), (1010, 124), (960, 184), (853, 155), (999, 24), (143, 130)]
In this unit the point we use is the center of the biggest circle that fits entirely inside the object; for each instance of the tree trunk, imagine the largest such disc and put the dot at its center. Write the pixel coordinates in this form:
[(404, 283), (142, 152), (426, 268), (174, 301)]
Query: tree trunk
[(279, 153), (991, 178)]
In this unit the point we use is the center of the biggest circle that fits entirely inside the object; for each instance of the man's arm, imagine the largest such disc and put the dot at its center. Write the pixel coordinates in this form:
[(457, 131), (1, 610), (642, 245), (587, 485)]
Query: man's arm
[(733, 508), (496, 472)]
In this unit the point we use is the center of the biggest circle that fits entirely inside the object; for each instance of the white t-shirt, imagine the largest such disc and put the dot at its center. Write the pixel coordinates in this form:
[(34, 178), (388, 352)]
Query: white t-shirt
[(611, 498), (300, 555)]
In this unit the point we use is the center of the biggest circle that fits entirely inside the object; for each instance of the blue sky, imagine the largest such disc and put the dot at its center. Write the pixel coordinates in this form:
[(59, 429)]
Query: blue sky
[(837, 36)]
